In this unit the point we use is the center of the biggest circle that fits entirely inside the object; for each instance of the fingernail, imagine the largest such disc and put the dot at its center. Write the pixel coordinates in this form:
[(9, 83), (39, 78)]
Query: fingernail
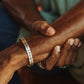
[(76, 42), (79, 44), (50, 30), (71, 41), (57, 48)]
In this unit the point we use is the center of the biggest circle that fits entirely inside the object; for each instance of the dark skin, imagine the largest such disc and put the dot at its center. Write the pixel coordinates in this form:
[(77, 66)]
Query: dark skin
[(15, 56), (32, 20), (57, 54), (26, 13)]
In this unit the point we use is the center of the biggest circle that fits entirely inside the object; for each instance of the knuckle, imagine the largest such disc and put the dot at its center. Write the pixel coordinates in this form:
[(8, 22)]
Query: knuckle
[(67, 47), (36, 25), (55, 57), (44, 23)]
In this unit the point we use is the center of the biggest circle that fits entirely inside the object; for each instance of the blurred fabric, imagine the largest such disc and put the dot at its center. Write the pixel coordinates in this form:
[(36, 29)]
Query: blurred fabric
[(58, 6), (9, 32)]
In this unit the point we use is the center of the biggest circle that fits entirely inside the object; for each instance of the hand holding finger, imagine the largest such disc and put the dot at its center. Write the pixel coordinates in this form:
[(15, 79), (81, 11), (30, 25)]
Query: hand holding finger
[(51, 60), (64, 52)]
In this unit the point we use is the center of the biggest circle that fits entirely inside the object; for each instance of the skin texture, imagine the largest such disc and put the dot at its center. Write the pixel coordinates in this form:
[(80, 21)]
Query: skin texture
[(32, 20), (69, 22), (72, 23), (27, 15), (63, 56), (68, 53), (12, 59), (68, 25)]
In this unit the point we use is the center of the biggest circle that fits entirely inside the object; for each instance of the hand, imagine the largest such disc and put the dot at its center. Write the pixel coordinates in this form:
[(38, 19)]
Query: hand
[(63, 56), (44, 28)]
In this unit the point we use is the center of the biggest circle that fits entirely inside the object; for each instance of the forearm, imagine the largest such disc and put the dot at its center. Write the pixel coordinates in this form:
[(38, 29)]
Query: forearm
[(24, 11), (67, 26), (14, 58), (6, 74), (10, 61)]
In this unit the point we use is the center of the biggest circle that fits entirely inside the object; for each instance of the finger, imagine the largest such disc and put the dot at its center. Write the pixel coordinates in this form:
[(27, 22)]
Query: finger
[(79, 45), (51, 61), (40, 57), (75, 49), (76, 52), (72, 52), (44, 28), (66, 49)]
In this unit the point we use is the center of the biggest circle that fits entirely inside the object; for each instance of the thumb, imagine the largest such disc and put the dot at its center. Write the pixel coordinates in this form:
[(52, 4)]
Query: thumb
[(40, 57), (44, 28), (53, 59)]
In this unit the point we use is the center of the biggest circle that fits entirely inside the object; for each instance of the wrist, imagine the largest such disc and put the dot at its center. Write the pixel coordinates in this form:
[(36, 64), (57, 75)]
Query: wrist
[(6, 69), (18, 56)]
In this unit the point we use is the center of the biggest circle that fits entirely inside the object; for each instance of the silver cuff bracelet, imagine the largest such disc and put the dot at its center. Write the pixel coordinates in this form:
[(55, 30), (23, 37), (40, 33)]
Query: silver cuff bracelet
[(27, 48)]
